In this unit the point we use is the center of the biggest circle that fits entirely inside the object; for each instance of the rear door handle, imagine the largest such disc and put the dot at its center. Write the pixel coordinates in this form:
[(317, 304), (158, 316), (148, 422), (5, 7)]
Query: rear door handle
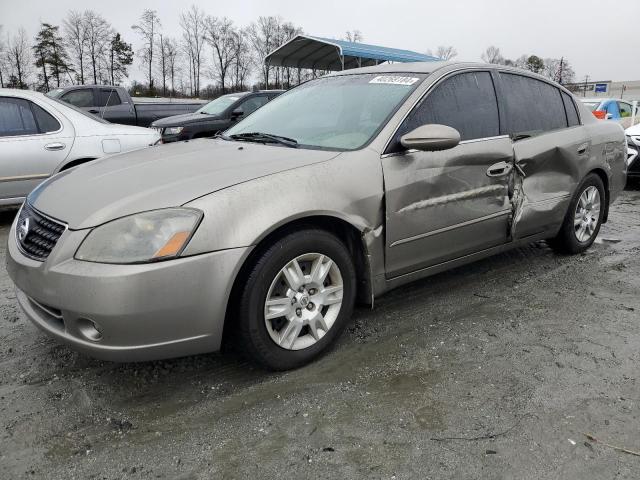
[(499, 169), (54, 146), (94, 111)]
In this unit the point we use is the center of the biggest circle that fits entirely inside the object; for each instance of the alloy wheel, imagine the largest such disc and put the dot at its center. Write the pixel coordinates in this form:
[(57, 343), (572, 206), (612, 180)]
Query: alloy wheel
[(303, 301), (587, 214)]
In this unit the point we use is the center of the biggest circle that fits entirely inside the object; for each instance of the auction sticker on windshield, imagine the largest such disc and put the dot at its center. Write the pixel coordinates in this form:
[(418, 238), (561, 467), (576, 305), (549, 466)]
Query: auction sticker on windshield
[(394, 80)]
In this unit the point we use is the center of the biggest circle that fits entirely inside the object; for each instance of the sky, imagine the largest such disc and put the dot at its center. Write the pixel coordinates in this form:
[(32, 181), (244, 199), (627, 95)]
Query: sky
[(599, 38)]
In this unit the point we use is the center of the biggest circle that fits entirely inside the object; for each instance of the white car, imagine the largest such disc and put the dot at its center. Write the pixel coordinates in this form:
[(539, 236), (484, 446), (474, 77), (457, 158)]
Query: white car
[(41, 136), (633, 151)]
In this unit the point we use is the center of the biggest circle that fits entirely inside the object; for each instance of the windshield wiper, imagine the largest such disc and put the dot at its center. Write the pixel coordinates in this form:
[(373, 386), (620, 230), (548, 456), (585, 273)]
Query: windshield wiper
[(265, 138)]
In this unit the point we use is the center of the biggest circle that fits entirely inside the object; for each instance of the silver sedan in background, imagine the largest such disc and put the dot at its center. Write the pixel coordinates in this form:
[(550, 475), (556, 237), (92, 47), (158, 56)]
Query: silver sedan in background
[(335, 192), (41, 136)]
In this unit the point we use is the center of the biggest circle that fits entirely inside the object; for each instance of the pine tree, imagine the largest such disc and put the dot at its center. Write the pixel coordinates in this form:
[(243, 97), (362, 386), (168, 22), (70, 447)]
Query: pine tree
[(51, 55), (120, 57)]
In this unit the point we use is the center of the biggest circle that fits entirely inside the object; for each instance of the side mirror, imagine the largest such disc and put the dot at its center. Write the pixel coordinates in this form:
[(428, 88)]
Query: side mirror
[(237, 113), (431, 138)]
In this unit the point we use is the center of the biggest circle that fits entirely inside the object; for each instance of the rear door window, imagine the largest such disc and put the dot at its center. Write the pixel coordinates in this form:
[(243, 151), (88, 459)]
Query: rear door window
[(79, 98), (570, 108), (16, 118), (108, 97), (531, 106), (46, 122), (466, 102)]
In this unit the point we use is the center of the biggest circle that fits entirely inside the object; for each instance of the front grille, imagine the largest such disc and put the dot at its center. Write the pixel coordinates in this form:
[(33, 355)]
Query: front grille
[(37, 234)]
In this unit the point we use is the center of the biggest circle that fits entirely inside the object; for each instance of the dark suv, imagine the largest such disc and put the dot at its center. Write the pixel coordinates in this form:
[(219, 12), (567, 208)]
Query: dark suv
[(216, 116)]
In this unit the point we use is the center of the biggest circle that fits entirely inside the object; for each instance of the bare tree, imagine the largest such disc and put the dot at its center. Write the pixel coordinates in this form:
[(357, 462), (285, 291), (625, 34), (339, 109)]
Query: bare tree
[(148, 29), (2, 59), (242, 59), (353, 36), (220, 34), (444, 52), (263, 37), (558, 70), (98, 35), (285, 32), (171, 53), (75, 34), (162, 64), (492, 55), (193, 35), (19, 59)]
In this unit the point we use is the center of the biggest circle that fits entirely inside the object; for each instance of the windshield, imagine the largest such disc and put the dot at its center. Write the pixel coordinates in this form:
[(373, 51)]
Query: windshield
[(342, 112), (219, 105), (79, 110)]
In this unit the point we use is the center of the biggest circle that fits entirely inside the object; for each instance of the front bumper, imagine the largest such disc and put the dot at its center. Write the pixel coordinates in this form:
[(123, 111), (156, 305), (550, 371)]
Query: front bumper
[(143, 312)]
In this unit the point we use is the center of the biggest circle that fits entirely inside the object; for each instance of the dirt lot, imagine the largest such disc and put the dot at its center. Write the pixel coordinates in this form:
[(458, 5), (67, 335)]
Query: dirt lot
[(494, 370)]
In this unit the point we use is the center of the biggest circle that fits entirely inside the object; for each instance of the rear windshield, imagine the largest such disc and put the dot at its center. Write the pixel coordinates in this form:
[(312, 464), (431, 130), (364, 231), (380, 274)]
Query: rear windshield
[(79, 110)]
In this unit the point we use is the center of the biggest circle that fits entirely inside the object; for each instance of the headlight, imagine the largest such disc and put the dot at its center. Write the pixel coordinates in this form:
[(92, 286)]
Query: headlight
[(173, 130), (143, 237)]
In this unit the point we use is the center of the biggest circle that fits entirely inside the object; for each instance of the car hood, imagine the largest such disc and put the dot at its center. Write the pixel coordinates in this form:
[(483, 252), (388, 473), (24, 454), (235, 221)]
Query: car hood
[(160, 177), (179, 120)]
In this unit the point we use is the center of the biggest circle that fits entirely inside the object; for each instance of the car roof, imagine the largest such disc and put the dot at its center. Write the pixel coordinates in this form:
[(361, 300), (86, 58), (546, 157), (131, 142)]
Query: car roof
[(16, 92), (431, 67)]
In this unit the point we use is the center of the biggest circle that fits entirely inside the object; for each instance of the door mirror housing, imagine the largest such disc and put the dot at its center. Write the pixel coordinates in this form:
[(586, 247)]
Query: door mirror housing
[(431, 138), (237, 113)]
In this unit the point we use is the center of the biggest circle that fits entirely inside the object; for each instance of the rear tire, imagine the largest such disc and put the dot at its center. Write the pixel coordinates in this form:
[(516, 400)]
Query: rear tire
[(583, 219), (297, 299)]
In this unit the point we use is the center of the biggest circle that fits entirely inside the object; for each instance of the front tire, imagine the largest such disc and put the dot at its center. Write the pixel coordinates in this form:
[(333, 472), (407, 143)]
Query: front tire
[(584, 217), (297, 299)]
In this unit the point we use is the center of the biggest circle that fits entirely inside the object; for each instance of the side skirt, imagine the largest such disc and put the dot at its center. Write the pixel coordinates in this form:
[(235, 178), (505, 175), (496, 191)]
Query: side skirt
[(382, 285)]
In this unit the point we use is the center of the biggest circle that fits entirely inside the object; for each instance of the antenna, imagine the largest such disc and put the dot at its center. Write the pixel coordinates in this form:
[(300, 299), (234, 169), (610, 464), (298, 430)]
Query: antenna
[(105, 105)]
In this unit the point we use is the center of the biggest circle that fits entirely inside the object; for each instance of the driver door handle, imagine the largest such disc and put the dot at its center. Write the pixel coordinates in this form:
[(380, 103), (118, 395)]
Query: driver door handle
[(52, 147), (499, 169)]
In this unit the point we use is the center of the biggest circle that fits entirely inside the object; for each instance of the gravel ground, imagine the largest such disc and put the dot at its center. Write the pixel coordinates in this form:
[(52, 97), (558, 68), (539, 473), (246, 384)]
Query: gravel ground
[(493, 370)]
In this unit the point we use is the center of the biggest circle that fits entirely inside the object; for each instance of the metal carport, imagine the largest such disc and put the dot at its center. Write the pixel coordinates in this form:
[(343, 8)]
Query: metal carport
[(317, 53)]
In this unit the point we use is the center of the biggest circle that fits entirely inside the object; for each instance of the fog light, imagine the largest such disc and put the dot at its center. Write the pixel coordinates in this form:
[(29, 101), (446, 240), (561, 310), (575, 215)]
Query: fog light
[(89, 329)]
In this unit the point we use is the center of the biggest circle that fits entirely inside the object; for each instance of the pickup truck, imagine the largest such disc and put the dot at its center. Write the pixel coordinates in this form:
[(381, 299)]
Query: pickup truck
[(115, 105)]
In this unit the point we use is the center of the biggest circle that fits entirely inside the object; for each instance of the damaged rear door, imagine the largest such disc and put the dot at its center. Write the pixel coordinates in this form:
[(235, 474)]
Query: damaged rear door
[(447, 204), (549, 147)]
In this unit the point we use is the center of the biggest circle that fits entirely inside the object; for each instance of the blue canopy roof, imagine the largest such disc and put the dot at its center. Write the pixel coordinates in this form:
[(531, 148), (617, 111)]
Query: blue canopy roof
[(304, 51)]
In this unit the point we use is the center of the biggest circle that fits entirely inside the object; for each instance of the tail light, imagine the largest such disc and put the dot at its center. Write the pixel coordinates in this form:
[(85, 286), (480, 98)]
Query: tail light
[(600, 114)]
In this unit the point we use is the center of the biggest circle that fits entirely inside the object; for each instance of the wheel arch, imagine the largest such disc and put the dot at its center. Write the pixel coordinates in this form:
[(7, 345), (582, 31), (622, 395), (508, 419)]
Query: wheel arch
[(347, 232), (75, 163)]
